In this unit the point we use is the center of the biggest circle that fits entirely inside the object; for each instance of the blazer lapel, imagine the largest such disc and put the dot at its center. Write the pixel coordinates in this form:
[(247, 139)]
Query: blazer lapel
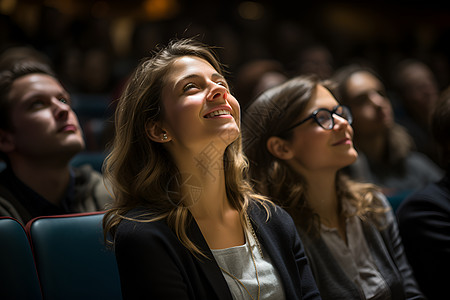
[(267, 240), (209, 265)]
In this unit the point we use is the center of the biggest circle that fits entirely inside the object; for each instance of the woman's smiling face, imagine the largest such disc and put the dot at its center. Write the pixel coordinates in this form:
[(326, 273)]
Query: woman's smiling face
[(198, 107)]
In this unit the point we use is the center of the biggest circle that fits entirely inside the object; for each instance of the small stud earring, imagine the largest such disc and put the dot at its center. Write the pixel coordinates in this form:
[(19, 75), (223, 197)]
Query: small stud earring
[(165, 136)]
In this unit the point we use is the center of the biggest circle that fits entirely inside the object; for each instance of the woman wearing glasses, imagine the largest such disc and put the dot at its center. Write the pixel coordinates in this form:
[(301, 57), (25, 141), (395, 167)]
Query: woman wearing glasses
[(297, 138)]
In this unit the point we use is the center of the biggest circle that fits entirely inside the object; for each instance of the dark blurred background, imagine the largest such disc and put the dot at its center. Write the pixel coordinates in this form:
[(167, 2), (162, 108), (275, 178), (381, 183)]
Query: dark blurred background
[(94, 45)]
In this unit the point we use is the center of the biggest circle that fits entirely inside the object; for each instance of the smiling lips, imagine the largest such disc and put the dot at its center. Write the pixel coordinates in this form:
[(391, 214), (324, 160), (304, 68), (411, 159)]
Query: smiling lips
[(220, 112)]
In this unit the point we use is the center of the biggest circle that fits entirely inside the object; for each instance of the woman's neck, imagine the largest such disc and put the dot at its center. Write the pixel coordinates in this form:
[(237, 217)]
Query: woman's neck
[(219, 222), (203, 184), (322, 197), (204, 192), (323, 200)]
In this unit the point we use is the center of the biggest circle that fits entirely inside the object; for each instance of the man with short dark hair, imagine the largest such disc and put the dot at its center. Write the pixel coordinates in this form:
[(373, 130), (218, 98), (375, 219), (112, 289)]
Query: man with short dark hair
[(39, 135)]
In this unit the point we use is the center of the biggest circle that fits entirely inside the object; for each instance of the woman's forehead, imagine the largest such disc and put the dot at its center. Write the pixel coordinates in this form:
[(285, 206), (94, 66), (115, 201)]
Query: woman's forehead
[(190, 65), (321, 98)]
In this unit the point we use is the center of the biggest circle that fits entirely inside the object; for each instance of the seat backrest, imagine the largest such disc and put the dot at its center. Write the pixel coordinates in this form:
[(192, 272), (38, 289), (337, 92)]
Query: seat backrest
[(72, 259), (18, 276)]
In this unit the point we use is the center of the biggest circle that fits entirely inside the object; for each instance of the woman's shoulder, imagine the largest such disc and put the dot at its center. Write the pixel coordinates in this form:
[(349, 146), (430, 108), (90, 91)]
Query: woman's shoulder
[(435, 197), (139, 222), (271, 216), (386, 218)]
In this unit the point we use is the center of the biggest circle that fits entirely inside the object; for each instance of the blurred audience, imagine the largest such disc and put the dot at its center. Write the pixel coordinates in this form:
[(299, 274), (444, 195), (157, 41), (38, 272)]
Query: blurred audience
[(12, 55), (255, 77), (39, 135), (424, 217), (92, 97), (386, 155), (94, 46), (315, 59), (417, 92)]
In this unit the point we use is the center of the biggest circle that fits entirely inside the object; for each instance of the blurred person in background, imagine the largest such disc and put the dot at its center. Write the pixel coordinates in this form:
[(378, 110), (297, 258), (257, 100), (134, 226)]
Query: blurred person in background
[(39, 135), (417, 92), (15, 54), (424, 217), (257, 76), (315, 59), (386, 155)]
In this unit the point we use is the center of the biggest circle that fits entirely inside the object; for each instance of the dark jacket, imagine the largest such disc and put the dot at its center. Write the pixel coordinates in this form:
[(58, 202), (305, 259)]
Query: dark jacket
[(153, 264), (387, 251), (86, 193), (424, 222)]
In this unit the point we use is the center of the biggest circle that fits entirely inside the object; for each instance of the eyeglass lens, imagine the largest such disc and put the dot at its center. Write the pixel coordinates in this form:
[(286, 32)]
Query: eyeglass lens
[(325, 117)]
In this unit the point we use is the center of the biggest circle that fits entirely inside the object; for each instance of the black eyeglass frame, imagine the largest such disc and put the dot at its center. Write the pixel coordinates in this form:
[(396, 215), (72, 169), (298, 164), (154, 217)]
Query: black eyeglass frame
[(331, 112)]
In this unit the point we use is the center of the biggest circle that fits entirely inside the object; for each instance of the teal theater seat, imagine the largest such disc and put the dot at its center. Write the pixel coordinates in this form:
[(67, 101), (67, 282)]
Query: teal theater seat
[(72, 259), (18, 276)]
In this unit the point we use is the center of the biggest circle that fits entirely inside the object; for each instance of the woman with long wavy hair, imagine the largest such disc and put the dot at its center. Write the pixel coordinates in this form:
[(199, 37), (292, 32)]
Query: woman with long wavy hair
[(297, 138), (185, 223)]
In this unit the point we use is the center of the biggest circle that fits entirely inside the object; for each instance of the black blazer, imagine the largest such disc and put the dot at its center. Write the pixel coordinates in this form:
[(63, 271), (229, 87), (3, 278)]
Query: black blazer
[(153, 264), (424, 222)]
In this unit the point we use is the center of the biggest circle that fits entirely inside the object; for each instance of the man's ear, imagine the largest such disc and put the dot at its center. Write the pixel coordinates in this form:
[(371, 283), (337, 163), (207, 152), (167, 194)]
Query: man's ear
[(156, 133), (279, 148), (6, 141)]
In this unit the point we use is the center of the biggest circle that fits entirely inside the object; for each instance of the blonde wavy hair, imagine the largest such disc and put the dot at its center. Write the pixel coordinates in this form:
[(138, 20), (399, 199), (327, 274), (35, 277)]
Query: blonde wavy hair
[(141, 172), (271, 114)]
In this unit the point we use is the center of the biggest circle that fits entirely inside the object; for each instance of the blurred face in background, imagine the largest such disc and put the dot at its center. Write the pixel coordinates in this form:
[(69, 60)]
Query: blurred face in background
[(367, 99), (420, 91)]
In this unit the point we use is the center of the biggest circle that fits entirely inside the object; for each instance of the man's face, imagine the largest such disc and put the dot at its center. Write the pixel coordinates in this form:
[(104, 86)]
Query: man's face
[(42, 120)]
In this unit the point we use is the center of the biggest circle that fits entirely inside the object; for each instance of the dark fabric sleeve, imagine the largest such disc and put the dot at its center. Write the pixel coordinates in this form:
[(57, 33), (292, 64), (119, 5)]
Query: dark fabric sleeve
[(91, 193), (281, 240), (309, 286), (394, 244), (11, 207), (147, 263), (8, 210), (425, 229)]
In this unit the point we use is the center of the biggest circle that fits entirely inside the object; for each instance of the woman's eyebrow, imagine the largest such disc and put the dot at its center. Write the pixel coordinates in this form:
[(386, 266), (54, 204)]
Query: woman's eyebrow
[(217, 76), (184, 78), (214, 76)]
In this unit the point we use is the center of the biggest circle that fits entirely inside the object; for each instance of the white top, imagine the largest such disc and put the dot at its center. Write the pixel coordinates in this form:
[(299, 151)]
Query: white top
[(238, 261)]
